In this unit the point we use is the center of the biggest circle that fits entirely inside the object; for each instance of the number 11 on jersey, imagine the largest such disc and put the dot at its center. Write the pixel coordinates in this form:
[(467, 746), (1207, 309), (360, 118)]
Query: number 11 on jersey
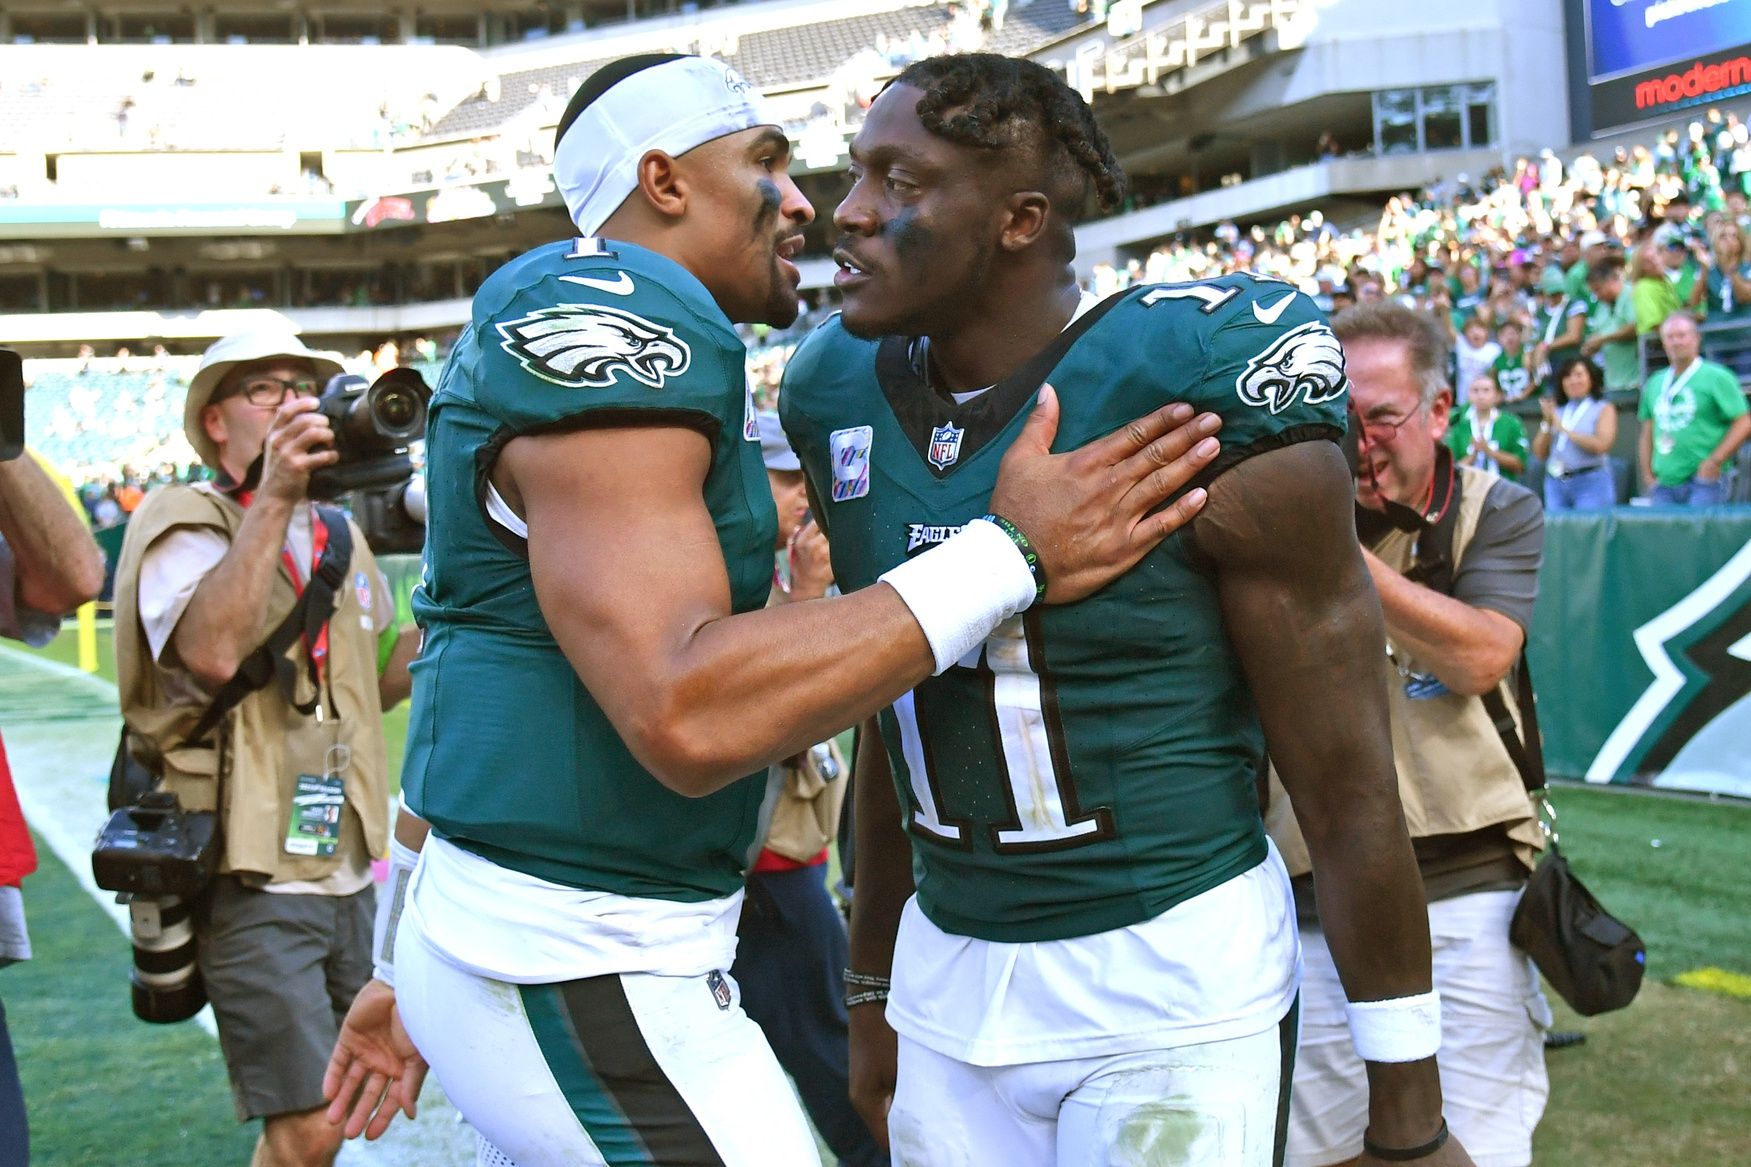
[(1028, 761)]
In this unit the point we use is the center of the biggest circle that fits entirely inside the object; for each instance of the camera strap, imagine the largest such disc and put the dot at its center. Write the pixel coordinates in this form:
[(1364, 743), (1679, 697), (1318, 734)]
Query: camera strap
[(308, 619)]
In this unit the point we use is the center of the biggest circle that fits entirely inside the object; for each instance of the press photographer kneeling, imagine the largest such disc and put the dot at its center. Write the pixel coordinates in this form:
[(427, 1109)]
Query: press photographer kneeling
[(256, 649)]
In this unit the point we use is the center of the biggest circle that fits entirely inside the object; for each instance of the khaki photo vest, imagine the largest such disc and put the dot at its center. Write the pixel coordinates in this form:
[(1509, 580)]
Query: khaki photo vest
[(263, 744), (1454, 774)]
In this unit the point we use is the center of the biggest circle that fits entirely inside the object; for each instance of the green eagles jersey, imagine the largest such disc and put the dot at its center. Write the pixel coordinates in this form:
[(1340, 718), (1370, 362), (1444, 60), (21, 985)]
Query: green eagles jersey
[(1093, 764), (1512, 375), (508, 753)]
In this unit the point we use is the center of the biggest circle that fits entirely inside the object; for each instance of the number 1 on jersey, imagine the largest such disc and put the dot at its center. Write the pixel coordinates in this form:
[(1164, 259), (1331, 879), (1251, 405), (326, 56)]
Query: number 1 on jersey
[(1031, 761)]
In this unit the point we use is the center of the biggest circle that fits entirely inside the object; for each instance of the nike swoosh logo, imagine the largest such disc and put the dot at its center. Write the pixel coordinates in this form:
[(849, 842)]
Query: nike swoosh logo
[(621, 285), (1269, 315)]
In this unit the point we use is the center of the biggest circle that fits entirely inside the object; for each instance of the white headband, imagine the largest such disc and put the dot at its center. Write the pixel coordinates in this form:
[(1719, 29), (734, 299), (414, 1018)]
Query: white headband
[(671, 107)]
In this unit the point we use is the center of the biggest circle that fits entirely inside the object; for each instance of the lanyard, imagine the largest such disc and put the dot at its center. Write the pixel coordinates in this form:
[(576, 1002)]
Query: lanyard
[(318, 544), (1675, 384), (1557, 316)]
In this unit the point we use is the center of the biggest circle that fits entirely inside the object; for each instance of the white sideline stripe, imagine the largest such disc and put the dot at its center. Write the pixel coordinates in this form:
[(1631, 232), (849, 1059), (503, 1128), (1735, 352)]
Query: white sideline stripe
[(61, 769)]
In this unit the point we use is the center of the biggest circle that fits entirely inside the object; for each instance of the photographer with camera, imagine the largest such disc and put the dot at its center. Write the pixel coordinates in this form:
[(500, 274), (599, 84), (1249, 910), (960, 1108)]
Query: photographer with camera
[(1454, 553), (256, 650), (49, 565)]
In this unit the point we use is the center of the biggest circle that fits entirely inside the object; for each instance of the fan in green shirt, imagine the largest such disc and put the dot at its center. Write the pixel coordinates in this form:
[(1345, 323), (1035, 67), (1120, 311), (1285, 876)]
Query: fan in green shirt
[(1512, 372), (1485, 435), (1611, 328)]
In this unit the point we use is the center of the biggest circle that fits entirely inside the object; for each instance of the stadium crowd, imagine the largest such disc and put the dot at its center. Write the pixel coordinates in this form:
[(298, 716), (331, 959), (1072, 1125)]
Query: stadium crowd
[(1676, 214)]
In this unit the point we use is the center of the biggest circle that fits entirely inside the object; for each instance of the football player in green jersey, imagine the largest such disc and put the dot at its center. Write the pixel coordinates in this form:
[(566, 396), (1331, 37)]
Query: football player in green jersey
[(599, 679), (1087, 953)]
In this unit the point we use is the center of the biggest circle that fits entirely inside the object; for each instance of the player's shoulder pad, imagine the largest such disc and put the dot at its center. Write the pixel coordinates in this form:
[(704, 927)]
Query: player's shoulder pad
[(1263, 336), (825, 355), (587, 324)]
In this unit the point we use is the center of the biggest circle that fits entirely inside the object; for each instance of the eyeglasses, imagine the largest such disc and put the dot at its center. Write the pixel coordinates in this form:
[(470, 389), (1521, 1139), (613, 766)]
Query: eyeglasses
[(271, 392), (1380, 430)]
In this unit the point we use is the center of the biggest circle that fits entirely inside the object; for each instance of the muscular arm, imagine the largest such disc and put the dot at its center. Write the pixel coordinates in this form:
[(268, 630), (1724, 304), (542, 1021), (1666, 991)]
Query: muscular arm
[(1573, 329), (883, 885), (57, 562), (1307, 626), (630, 577), (633, 584), (884, 857)]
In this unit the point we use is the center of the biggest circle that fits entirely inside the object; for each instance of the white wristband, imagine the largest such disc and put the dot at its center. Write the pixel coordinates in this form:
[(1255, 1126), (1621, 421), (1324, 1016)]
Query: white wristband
[(391, 896), (961, 590), (1404, 1029)]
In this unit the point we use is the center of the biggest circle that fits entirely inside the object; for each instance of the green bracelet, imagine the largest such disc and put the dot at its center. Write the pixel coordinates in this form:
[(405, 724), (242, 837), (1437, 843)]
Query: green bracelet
[(1025, 545)]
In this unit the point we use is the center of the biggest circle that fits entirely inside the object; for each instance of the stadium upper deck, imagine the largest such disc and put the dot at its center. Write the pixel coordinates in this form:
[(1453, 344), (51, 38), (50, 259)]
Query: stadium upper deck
[(364, 190)]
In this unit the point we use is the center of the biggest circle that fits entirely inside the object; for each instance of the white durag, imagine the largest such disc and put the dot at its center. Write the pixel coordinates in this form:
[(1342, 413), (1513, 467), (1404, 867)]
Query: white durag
[(671, 107)]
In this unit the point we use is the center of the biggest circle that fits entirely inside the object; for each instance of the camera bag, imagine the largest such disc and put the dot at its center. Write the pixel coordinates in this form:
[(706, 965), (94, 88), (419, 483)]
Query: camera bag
[(1592, 959), (150, 845)]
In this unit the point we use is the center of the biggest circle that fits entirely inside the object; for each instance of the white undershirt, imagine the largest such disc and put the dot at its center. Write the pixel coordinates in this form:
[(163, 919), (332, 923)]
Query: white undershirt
[(1221, 965), (498, 923)]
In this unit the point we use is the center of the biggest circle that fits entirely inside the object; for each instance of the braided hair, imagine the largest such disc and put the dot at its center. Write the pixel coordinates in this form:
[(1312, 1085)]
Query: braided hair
[(992, 102)]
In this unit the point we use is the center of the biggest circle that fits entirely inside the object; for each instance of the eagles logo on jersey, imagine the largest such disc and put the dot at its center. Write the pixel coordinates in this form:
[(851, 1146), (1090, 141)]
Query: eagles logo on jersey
[(1304, 364), (585, 345)]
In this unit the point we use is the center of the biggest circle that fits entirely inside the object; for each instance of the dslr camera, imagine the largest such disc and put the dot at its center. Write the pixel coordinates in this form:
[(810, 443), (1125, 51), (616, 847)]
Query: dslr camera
[(375, 423), (159, 858)]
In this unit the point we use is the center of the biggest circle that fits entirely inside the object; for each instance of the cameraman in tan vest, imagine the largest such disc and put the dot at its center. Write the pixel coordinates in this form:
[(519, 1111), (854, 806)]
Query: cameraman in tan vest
[(1471, 822), (207, 572)]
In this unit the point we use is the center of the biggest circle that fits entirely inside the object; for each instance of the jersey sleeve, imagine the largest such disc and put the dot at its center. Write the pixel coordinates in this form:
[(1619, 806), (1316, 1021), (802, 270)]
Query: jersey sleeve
[(1273, 371), (600, 346), (811, 377)]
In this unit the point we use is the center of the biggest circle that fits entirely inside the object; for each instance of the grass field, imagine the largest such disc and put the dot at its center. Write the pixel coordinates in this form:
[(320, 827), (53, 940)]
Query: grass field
[(1660, 1083)]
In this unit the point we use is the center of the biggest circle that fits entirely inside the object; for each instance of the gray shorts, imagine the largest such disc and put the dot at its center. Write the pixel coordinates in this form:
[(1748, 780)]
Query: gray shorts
[(281, 972)]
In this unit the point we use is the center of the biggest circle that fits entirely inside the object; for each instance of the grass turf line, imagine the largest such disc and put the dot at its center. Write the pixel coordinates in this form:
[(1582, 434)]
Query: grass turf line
[(100, 1086)]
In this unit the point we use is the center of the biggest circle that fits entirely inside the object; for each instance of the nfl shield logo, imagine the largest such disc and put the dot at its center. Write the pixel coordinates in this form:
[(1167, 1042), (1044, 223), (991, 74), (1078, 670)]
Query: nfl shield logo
[(945, 445), (362, 586), (850, 453)]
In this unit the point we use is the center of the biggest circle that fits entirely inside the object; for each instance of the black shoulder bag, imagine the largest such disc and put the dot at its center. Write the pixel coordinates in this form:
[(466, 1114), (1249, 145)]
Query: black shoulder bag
[(1592, 959), (150, 844)]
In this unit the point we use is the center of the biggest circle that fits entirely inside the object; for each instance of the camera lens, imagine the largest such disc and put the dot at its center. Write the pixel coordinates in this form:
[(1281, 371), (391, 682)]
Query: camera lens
[(396, 408), (165, 981)]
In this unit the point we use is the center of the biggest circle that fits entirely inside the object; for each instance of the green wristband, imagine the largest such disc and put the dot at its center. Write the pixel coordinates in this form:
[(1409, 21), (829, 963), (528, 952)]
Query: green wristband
[(1028, 553)]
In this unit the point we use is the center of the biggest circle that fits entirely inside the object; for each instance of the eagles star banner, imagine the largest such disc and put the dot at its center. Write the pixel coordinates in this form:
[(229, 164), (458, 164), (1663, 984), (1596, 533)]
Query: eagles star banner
[(1641, 648)]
